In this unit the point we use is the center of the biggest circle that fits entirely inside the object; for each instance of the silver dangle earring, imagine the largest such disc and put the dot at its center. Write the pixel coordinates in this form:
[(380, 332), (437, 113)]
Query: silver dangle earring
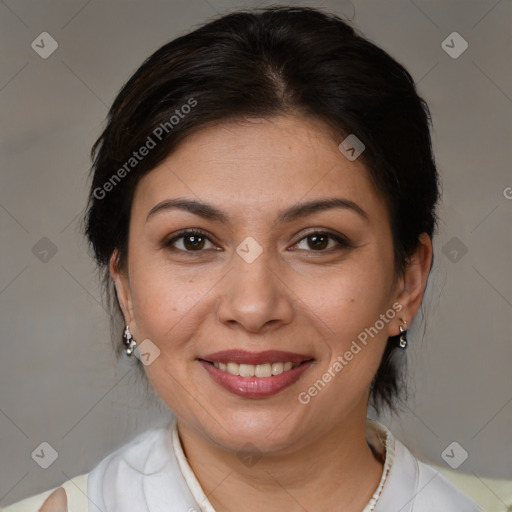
[(129, 341), (402, 342)]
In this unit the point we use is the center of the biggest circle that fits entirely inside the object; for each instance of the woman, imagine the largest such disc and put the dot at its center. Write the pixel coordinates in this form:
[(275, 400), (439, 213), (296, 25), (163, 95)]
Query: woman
[(263, 202)]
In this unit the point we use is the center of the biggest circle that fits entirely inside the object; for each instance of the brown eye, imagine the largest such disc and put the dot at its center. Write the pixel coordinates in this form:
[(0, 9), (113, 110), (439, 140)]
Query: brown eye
[(193, 242), (317, 242), (189, 241), (322, 241)]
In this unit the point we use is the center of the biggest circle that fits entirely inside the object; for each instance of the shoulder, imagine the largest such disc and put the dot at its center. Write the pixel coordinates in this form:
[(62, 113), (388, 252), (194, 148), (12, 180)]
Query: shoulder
[(432, 490), (144, 474), (411, 485), (134, 454), (145, 453), (440, 492), (75, 493)]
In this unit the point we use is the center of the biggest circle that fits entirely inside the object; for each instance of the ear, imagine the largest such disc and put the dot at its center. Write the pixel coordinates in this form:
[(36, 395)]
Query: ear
[(122, 285), (411, 285)]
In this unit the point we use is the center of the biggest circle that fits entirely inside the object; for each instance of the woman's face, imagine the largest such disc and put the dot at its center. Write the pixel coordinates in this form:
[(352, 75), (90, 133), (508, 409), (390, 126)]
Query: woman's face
[(290, 251)]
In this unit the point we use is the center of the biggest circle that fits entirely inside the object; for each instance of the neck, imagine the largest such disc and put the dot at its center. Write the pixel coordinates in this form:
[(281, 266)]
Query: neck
[(338, 471)]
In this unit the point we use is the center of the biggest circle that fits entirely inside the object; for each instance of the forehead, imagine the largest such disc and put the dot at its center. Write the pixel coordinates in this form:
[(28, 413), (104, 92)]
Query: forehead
[(257, 167)]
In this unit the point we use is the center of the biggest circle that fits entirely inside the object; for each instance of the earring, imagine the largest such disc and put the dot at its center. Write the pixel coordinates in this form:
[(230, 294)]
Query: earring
[(128, 341), (402, 342)]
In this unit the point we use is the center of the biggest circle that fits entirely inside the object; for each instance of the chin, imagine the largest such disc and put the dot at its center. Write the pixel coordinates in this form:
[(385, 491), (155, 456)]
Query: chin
[(269, 432)]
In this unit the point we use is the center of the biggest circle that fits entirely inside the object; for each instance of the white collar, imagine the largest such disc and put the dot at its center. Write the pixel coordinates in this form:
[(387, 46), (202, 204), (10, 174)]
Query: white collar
[(151, 473)]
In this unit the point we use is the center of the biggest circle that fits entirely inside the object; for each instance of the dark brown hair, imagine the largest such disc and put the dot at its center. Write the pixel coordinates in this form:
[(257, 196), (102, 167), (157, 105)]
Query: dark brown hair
[(263, 63)]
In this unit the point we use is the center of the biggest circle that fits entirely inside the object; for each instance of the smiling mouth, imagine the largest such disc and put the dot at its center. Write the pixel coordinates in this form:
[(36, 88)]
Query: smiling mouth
[(256, 370), (255, 374)]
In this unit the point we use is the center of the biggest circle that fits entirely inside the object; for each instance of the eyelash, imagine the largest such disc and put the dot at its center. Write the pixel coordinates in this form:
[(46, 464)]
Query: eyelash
[(342, 241)]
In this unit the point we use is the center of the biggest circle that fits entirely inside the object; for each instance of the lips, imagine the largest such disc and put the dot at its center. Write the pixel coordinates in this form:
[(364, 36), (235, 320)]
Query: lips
[(249, 386)]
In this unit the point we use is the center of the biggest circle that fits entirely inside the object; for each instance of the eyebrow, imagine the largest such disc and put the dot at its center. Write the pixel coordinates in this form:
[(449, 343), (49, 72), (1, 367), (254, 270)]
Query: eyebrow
[(209, 212)]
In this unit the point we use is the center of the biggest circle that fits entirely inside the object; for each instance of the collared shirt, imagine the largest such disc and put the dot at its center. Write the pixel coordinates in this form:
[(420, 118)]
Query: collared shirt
[(151, 474)]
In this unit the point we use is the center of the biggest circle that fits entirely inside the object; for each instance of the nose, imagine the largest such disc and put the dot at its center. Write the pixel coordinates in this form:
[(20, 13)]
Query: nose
[(254, 296)]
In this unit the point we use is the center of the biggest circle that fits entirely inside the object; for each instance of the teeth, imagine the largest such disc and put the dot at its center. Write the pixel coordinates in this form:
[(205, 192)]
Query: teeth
[(263, 370), (255, 370), (233, 368)]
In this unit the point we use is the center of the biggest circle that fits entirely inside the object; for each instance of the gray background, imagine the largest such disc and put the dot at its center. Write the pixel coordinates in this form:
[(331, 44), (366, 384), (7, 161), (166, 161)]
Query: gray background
[(59, 379)]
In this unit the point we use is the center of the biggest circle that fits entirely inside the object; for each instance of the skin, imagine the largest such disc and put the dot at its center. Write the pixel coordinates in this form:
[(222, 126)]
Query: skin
[(56, 502), (296, 296)]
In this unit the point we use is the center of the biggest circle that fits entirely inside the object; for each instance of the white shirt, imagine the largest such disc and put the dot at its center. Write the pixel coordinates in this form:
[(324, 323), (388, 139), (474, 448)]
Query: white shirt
[(152, 474)]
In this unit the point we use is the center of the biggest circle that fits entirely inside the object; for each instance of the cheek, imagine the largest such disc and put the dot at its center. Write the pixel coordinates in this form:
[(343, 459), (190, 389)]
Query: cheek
[(352, 309), (168, 301), (350, 298)]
